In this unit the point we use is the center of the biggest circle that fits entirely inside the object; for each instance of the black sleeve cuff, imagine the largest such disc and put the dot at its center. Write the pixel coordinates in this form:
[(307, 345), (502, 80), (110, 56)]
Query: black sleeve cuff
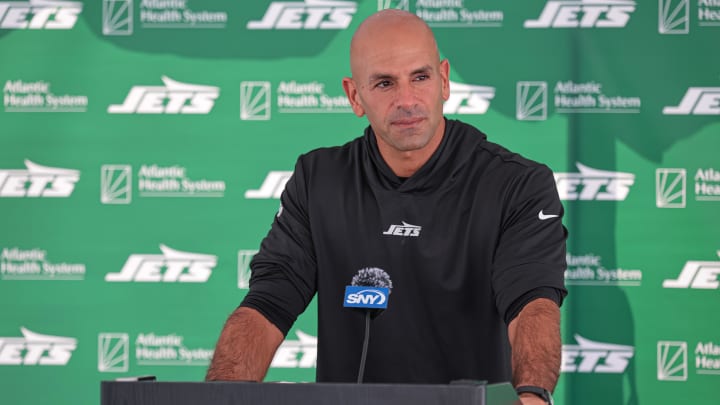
[(555, 294)]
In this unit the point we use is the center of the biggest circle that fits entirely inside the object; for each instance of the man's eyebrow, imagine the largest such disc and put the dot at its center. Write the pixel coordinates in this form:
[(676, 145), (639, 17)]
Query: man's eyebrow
[(380, 76), (424, 69), (385, 76)]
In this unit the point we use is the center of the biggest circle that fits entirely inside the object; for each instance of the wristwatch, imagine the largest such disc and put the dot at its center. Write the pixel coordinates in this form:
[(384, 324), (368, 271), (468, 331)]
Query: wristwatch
[(539, 391)]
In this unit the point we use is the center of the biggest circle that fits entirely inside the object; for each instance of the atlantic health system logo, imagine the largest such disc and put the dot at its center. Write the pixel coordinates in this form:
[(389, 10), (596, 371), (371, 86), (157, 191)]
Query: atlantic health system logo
[(255, 101), (674, 362), (113, 352), (675, 17), (150, 349), (33, 264), (36, 96), (448, 13), (588, 270), (570, 97), (671, 186), (39, 14), (118, 16), (38, 182), (244, 258), (531, 101), (154, 181)]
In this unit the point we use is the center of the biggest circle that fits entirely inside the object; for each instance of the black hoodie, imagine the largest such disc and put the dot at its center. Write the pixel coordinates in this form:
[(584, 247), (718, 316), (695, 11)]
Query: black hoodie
[(465, 240)]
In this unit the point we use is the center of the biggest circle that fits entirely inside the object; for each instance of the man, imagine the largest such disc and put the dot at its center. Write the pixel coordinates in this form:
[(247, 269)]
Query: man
[(477, 269)]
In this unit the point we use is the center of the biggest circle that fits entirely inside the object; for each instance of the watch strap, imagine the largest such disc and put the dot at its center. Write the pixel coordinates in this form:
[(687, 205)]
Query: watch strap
[(539, 391)]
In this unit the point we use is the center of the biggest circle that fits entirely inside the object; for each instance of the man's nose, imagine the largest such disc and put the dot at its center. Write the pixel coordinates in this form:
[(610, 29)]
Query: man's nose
[(406, 95)]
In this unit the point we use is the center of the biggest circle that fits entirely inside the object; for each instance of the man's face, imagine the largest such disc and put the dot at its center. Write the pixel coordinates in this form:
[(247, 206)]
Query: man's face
[(400, 84)]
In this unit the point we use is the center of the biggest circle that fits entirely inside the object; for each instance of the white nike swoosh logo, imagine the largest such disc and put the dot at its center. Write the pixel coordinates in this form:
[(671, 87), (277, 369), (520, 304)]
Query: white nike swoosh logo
[(544, 216)]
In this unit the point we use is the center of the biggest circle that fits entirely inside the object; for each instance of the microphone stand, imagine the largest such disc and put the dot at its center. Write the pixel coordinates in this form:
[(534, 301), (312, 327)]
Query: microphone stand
[(366, 341)]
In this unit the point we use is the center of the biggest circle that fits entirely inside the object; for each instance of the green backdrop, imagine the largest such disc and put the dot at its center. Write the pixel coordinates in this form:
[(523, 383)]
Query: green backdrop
[(144, 144)]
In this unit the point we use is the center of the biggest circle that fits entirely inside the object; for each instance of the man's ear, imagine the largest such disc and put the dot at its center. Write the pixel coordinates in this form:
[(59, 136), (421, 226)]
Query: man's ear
[(352, 95), (445, 76)]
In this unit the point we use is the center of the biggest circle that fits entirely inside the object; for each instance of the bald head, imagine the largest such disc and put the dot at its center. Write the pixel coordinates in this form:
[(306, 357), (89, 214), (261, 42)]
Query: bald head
[(389, 27), (399, 82)]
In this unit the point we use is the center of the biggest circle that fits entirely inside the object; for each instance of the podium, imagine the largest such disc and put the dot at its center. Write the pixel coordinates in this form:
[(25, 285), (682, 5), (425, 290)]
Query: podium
[(241, 393)]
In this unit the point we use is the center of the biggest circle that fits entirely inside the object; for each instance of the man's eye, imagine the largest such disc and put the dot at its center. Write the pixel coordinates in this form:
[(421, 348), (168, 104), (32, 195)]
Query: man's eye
[(421, 77), (383, 84)]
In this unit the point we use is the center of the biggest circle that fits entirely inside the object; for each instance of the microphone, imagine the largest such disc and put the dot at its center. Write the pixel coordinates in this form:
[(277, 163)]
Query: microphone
[(370, 290), (374, 299)]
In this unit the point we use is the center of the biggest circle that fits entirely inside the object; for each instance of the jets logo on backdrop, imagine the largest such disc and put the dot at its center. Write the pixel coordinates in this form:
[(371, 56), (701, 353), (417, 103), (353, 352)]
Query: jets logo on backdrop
[(38, 181), (39, 14), (34, 349), (113, 352), (272, 186), (307, 15), (697, 101), (173, 98), (697, 274), (301, 353), (468, 99), (588, 356), (169, 267), (584, 14), (594, 184)]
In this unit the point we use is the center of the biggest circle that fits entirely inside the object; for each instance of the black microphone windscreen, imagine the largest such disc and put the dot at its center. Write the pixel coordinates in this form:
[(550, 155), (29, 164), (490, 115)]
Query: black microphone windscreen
[(372, 277)]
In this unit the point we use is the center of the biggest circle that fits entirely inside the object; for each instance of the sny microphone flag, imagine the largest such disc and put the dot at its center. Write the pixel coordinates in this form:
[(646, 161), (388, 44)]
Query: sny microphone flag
[(366, 297)]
